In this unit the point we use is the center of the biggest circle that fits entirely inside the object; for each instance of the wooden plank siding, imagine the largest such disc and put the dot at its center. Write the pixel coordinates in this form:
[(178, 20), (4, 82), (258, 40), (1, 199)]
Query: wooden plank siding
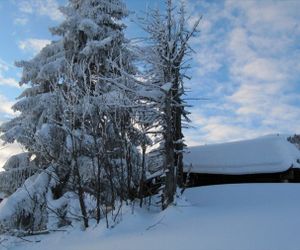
[(196, 179)]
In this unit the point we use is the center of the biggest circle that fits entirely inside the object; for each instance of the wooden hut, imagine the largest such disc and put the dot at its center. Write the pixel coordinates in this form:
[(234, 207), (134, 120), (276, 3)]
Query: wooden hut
[(265, 159)]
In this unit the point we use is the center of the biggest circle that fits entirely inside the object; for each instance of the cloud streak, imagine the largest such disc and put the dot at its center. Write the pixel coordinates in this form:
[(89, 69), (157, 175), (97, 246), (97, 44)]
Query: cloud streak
[(5, 106), (21, 21), (47, 8), (7, 81), (33, 45)]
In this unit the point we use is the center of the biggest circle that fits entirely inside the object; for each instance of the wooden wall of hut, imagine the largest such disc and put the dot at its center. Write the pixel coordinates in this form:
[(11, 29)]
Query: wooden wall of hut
[(196, 179)]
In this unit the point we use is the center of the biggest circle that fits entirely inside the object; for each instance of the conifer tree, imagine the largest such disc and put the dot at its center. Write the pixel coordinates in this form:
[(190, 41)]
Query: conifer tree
[(77, 113)]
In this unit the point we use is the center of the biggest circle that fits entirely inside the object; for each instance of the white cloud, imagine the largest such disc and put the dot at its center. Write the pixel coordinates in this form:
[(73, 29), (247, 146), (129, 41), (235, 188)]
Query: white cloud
[(21, 21), (6, 81), (237, 46), (267, 17), (25, 6), (258, 99), (40, 7), (262, 69), (6, 105), (33, 45), (3, 66), (219, 128)]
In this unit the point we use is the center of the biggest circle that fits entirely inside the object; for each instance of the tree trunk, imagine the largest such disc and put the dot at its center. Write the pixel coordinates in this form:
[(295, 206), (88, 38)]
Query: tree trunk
[(98, 193), (170, 182), (81, 195), (177, 111), (142, 180)]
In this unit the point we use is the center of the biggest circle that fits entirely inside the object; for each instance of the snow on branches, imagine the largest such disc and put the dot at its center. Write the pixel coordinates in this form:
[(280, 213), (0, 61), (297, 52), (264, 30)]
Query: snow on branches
[(88, 116)]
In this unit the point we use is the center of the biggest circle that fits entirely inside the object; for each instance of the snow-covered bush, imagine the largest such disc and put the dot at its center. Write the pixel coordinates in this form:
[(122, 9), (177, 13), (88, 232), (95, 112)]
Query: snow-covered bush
[(25, 209)]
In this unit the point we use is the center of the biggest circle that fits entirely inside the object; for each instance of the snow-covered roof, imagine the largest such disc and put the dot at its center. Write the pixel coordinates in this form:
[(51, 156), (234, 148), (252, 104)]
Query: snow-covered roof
[(269, 154)]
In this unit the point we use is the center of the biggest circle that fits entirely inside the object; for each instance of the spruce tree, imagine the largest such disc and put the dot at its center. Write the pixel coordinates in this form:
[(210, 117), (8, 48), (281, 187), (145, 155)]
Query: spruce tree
[(77, 113)]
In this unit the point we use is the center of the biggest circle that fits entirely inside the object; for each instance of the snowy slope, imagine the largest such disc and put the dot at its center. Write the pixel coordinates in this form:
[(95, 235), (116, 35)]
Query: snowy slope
[(223, 217), (269, 154)]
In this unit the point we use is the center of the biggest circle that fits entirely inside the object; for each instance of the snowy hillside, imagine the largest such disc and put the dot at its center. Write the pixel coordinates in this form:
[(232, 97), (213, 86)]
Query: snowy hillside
[(224, 217), (268, 154)]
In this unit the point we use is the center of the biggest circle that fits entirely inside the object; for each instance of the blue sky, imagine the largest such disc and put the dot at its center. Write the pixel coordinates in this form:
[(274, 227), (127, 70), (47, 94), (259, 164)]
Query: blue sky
[(246, 63)]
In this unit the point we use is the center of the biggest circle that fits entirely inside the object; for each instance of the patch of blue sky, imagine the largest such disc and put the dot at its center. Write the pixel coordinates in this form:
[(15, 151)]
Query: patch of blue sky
[(245, 66)]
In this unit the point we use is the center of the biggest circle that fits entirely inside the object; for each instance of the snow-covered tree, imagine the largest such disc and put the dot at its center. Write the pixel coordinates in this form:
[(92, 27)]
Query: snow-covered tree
[(167, 49), (78, 113)]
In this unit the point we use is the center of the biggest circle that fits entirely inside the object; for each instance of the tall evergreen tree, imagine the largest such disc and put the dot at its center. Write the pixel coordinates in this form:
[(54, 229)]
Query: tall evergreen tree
[(78, 111)]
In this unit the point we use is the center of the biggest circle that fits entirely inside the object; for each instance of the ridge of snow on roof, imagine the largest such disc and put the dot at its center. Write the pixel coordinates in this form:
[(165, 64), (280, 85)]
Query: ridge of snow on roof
[(268, 154)]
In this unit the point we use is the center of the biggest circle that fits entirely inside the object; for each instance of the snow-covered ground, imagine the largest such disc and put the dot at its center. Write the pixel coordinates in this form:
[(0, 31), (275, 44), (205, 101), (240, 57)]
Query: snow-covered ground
[(223, 217)]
